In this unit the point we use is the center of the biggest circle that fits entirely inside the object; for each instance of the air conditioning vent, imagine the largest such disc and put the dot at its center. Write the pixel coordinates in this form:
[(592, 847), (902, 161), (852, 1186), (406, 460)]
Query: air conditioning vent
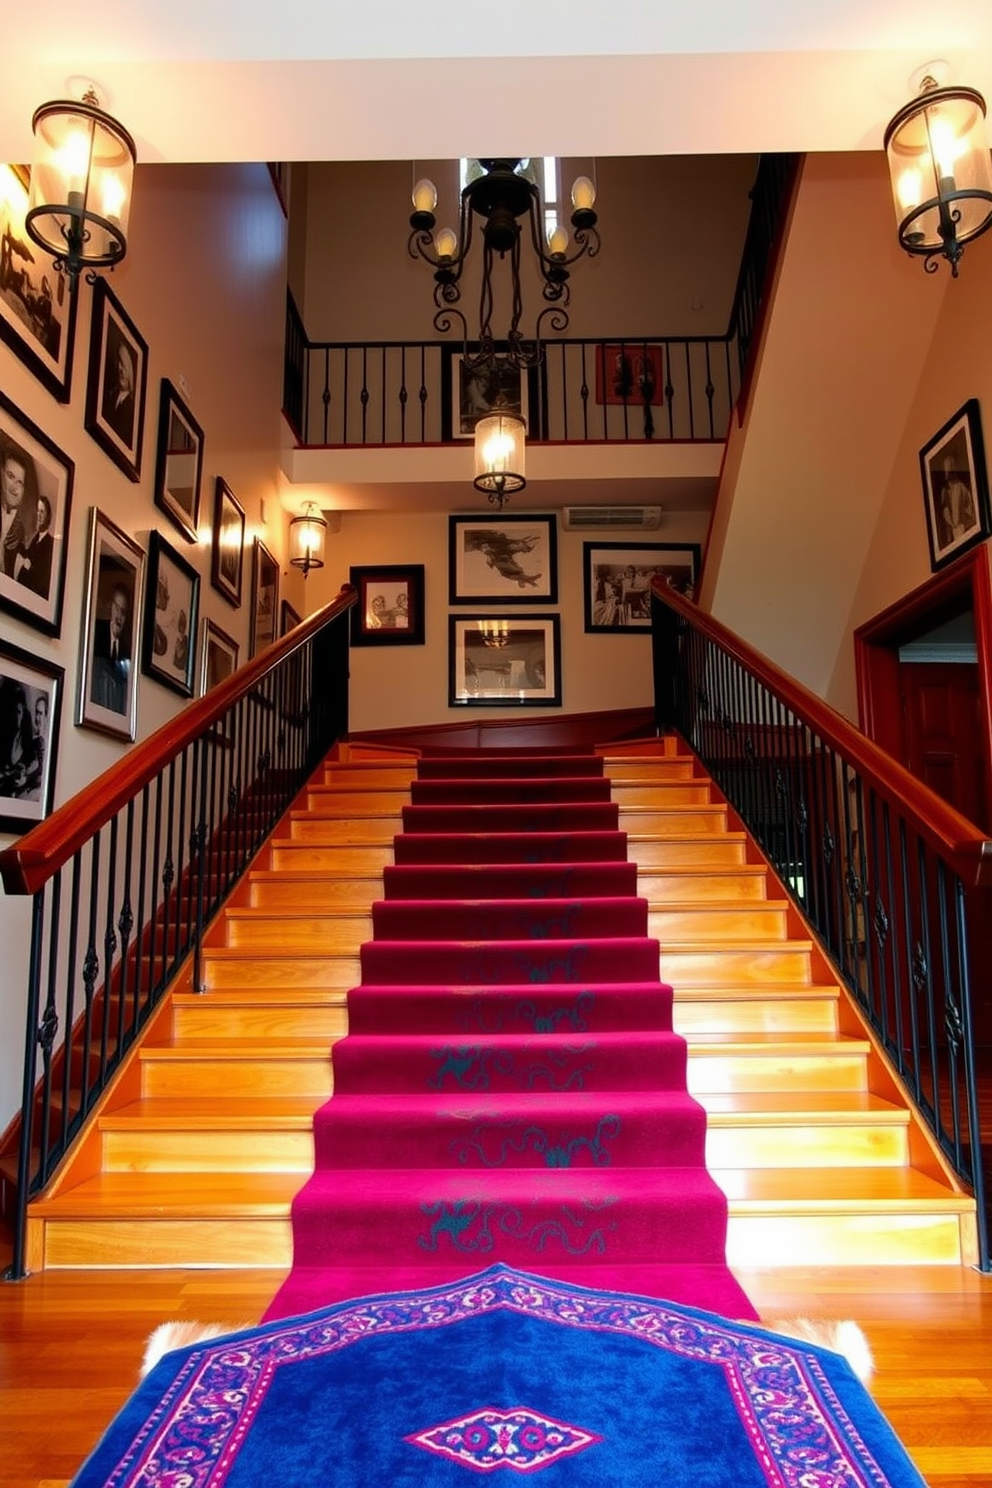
[(619, 518)]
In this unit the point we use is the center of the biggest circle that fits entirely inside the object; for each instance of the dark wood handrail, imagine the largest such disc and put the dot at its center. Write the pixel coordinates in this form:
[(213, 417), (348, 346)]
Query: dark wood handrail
[(952, 835), (29, 862)]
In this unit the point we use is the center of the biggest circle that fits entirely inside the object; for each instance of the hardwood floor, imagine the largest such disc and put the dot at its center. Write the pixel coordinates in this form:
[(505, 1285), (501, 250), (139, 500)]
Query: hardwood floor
[(71, 1343)]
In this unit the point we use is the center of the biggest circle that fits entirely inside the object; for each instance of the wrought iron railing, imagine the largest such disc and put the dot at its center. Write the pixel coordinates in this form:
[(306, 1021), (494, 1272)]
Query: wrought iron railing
[(377, 393), (126, 876), (888, 875)]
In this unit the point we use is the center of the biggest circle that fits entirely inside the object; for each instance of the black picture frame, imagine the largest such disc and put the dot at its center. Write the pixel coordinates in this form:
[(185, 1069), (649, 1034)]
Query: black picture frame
[(955, 486), (30, 715), (116, 382), (617, 580), (264, 598), (500, 661), (37, 307), (468, 394), (107, 689), (289, 618), (178, 463), (219, 653), (227, 558), (503, 559), (172, 617), (36, 483), (390, 608)]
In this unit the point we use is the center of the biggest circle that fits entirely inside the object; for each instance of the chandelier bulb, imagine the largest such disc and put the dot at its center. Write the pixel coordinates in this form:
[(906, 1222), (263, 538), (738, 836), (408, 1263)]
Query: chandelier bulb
[(558, 241), (446, 243), (583, 194), (424, 195)]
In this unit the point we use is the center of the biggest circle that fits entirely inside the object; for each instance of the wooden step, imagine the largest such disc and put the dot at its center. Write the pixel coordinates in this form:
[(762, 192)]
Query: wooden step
[(253, 1134), (360, 859), (687, 850), (692, 963), (324, 829), (297, 930), (225, 969), (798, 1129), (661, 794), (370, 775), (739, 881), (768, 1008), (720, 1063), (313, 890), (637, 771), (765, 919), (678, 821), (844, 1216), (347, 800), (261, 1013), (237, 1070)]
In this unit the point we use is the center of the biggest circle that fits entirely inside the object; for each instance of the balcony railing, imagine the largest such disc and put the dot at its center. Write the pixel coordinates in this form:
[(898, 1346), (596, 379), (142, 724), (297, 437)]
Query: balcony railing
[(887, 874), (126, 876)]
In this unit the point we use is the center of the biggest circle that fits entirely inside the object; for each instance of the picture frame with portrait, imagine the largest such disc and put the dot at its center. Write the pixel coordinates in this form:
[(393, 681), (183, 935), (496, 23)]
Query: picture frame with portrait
[(264, 598), (500, 661), (36, 483), (469, 393), (289, 618), (30, 713), (172, 608), (504, 559), (955, 486), (116, 382), (178, 463), (617, 580), (228, 553), (219, 654), (390, 608), (37, 307), (107, 688)]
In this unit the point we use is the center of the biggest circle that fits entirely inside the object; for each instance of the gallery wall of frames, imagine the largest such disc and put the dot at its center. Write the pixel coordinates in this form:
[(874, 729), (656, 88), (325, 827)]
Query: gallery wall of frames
[(137, 567)]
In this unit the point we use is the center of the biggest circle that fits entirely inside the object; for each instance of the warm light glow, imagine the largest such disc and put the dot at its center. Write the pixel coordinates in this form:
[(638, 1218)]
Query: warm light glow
[(306, 539), (424, 195), (558, 240), (72, 158), (446, 243), (583, 194), (946, 144), (909, 188), (114, 196), (499, 453)]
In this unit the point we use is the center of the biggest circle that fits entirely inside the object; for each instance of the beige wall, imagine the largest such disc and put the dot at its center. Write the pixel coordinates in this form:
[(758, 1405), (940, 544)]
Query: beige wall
[(204, 282)]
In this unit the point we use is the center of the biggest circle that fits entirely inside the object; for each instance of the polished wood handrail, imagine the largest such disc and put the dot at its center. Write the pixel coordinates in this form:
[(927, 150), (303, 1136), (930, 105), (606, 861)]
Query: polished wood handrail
[(953, 836), (32, 860)]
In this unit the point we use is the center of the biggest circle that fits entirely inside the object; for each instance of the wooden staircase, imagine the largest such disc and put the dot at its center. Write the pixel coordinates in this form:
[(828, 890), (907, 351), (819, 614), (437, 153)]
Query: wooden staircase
[(200, 1145)]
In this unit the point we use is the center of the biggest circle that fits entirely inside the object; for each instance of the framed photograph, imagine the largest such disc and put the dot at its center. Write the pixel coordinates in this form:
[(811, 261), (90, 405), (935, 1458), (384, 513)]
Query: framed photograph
[(617, 579), (955, 486), (37, 310), (36, 481), (107, 697), (30, 709), (264, 598), (115, 385), (630, 372), (500, 662), (227, 558), (502, 559), (218, 656), (172, 609), (390, 608), (468, 393), (289, 619), (179, 464)]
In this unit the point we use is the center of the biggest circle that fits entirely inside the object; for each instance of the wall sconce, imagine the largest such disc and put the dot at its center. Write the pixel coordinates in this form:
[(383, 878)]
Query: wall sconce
[(500, 439), (306, 539), (81, 178), (941, 173)]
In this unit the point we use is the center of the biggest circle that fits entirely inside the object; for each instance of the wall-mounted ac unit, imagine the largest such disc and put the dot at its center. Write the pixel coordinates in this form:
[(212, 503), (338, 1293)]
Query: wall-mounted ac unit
[(620, 518)]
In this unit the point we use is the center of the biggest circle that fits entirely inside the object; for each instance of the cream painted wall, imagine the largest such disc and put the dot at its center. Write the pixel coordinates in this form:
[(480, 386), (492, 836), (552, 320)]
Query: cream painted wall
[(672, 232), (204, 282), (398, 686), (805, 484)]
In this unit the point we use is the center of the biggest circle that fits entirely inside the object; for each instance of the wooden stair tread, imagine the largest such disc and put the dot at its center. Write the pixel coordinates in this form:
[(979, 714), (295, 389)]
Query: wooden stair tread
[(283, 997), (756, 992), (213, 1113), (733, 943), (840, 1043), (154, 1195), (774, 1108), (826, 1190), (228, 1048)]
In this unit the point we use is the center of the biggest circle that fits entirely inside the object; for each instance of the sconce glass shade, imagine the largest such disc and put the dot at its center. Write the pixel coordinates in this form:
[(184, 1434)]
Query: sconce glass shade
[(81, 178), (500, 439), (940, 172), (306, 539)]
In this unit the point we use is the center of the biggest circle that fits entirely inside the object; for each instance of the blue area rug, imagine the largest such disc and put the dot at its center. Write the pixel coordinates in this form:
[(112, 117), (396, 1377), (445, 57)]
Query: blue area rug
[(502, 1373)]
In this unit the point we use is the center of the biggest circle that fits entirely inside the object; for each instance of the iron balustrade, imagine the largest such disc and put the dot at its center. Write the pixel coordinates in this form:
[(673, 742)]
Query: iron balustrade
[(125, 878), (887, 874)]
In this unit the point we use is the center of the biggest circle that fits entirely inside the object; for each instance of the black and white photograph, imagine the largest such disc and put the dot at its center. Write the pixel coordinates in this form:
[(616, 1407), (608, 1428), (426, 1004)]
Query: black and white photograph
[(179, 463), (37, 308), (480, 390), (504, 559), (116, 382), (107, 699), (264, 598), (617, 580), (390, 608), (227, 557), (289, 618), (30, 708), (172, 606), (218, 656), (36, 481), (495, 661), (955, 486)]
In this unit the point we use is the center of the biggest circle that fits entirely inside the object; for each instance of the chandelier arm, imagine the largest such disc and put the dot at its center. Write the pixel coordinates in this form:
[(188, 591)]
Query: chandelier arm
[(486, 295), (445, 318), (557, 318), (517, 301)]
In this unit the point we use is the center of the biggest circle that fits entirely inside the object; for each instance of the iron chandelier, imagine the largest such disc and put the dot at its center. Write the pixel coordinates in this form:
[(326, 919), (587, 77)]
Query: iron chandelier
[(505, 200)]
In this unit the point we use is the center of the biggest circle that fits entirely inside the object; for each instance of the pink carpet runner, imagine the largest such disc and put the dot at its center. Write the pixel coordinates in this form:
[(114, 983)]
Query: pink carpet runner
[(510, 1088)]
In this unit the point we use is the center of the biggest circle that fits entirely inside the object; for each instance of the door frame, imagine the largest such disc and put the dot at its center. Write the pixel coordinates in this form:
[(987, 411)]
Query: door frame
[(877, 642)]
